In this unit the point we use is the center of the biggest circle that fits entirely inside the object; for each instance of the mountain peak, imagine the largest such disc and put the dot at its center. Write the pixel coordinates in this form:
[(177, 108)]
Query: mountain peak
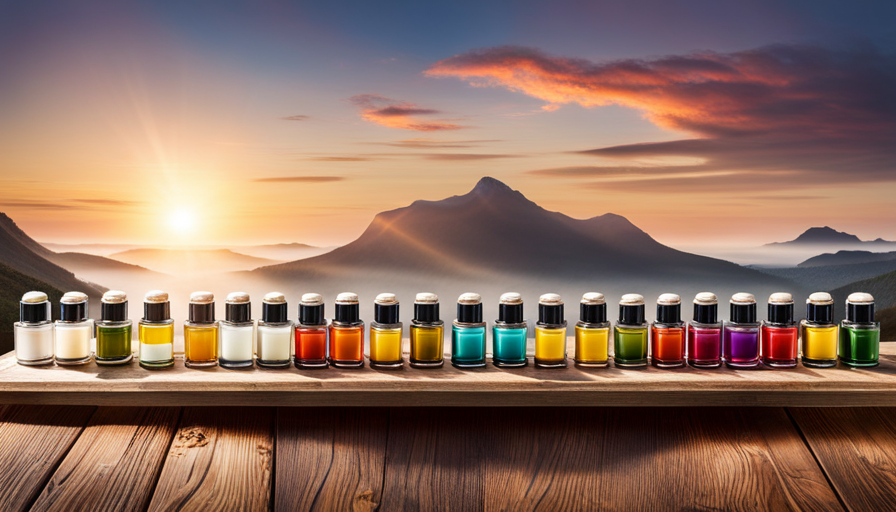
[(488, 185), (826, 234)]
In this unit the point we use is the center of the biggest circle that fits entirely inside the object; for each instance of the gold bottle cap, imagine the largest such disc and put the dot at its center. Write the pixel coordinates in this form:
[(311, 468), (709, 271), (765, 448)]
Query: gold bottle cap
[(511, 298), (275, 298), (347, 298), (426, 298), (593, 298), (34, 297), (156, 296), (469, 298), (631, 299), (73, 298), (780, 298), (860, 298), (386, 299), (706, 299), (312, 299), (202, 298), (820, 299), (115, 297), (237, 298), (743, 298), (669, 299), (550, 299)]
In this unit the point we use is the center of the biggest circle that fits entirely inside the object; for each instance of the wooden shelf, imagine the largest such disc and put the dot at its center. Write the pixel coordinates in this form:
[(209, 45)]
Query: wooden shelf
[(448, 386)]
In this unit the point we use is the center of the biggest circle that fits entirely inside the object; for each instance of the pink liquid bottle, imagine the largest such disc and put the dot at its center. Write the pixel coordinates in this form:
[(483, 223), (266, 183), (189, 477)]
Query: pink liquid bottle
[(705, 333)]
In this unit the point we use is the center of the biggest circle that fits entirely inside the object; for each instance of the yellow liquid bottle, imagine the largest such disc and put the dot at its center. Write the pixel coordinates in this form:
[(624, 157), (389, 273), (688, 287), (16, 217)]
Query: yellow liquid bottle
[(819, 334), (550, 333), (427, 333), (385, 333), (592, 332), (155, 332)]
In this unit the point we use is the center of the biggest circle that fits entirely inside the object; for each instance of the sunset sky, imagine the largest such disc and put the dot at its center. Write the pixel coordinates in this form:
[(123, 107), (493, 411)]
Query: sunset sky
[(213, 122)]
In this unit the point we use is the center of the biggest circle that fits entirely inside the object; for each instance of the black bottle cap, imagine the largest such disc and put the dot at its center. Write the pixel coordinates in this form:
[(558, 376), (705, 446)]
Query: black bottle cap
[(311, 310), (156, 307), (426, 308), (550, 309), (593, 308), (347, 309), (510, 308), (385, 309), (860, 308), (274, 309), (34, 308), (706, 308), (73, 307), (631, 309), (780, 308), (469, 308), (820, 308), (114, 307), (668, 309), (238, 308), (202, 307), (743, 308)]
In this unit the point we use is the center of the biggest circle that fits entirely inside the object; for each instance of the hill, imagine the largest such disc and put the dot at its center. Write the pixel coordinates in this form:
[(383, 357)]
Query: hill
[(848, 258), (189, 261)]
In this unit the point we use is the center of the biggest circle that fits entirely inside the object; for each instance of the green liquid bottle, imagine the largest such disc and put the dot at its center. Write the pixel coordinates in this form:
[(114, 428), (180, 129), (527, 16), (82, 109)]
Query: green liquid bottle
[(113, 331), (859, 333), (630, 334)]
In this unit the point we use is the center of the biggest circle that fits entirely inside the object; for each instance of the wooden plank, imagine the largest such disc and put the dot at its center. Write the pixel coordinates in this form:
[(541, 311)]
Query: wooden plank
[(33, 439), (220, 459), (857, 449), (330, 459), (132, 385), (115, 462)]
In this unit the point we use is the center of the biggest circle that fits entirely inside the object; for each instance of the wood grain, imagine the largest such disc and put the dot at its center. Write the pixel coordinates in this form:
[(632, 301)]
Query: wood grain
[(115, 462), (221, 459), (33, 439), (132, 385), (330, 459), (857, 449)]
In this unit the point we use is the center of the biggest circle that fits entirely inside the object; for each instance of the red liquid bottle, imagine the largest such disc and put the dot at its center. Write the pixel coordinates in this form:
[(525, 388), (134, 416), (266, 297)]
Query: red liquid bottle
[(780, 334), (311, 333), (705, 333)]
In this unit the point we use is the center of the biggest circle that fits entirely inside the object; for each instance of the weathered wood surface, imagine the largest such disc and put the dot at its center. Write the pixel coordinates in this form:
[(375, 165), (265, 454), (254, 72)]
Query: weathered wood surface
[(857, 450), (448, 386)]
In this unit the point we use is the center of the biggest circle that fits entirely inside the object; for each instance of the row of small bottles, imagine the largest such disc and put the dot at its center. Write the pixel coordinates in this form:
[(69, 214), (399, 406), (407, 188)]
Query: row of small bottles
[(274, 341)]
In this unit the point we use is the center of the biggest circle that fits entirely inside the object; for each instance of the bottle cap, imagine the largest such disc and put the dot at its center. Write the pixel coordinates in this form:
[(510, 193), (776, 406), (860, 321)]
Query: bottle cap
[(347, 308), (73, 307), (34, 308), (385, 309), (510, 308), (550, 309), (114, 306), (311, 309), (631, 309), (469, 308), (780, 308), (668, 308), (238, 308), (426, 308), (860, 308), (820, 308), (202, 307), (156, 307), (593, 308), (706, 308), (743, 308), (274, 308)]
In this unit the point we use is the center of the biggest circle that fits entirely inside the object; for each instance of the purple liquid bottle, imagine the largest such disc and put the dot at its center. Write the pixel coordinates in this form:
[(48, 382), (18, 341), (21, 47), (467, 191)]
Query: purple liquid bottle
[(740, 339)]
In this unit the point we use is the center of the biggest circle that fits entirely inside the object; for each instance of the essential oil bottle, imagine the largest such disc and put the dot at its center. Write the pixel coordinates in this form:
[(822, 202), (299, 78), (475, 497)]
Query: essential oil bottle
[(705, 333), (550, 332), (237, 332), (311, 333), (275, 333), (427, 333), (385, 333), (201, 332), (468, 333), (347, 333), (630, 334), (113, 330), (73, 330), (819, 332), (780, 333), (34, 330), (668, 333), (740, 335), (509, 333), (592, 332), (156, 331), (859, 333)]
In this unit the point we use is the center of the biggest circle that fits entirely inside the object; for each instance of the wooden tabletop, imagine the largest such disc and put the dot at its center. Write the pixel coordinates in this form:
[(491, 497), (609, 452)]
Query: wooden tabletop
[(490, 386)]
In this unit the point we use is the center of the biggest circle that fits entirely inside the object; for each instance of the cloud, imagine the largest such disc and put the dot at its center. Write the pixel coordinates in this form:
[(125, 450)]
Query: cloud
[(399, 114), (464, 156), (340, 159), (70, 204), (300, 179), (431, 143), (792, 112), (299, 117)]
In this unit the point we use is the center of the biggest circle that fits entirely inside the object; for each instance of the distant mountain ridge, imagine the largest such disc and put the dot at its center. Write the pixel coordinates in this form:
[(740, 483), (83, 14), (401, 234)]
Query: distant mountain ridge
[(848, 258), (829, 236), (181, 261)]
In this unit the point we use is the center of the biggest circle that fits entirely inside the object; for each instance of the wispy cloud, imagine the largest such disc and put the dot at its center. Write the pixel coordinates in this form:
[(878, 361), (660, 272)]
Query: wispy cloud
[(464, 156), (300, 179), (70, 204), (340, 159), (299, 117), (399, 114), (432, 143)]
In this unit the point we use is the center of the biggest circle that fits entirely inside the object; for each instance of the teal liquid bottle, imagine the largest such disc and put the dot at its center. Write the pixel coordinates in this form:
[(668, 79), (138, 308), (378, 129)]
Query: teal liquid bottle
[(630, 334), (859, 334), (468, 333), (509, 333)]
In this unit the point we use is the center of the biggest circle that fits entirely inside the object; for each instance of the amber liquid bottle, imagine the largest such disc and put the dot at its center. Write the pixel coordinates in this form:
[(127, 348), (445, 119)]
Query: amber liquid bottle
[(311, 333), (201, 332), (347, 333), (427, 333), (385, 333)]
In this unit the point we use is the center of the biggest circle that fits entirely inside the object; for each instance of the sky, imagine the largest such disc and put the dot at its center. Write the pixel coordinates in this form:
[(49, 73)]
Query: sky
[(215, 122)]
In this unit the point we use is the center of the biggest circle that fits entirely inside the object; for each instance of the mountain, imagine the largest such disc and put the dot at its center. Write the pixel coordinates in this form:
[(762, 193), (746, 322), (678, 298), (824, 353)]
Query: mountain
[(189, 261), (99, 269), (822, 236), (882, 287), (94, 249), (282, 252), (848, 258)]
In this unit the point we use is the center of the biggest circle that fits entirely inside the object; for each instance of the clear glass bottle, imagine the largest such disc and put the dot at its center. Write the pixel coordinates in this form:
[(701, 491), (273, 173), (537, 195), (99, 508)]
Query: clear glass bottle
[(201, 332), (630, 335), (34, 330), (819, 333), (311, 333), (385, 333), (114, 330), (592, 332), (275, 332), (347, 333), (156, 331), (859, 333), (668, 335), (73, 330), (236, 332), (427, 333), (550, 332), (780, 333), (468, 338), (510, 333), (740, 334), (705, 333)]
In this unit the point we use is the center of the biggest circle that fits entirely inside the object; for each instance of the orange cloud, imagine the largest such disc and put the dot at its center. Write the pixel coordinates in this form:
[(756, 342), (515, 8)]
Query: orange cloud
[(399, 114)]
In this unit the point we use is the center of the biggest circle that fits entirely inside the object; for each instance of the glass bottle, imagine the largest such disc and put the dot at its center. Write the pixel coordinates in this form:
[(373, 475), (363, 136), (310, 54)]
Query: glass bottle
[(275, 333), (114, 330), (311, 333), (705, 333), (468, 333), (592, 332), (427, 333), (550, 333), (156, 331), (73, 330), (201, 332), (236, 332), (859, 333), (347, 333), (819, 333), (509, 333), (34, 330), (780, 333), (740, 334), (385, 333), (668, 335), (630, 335)]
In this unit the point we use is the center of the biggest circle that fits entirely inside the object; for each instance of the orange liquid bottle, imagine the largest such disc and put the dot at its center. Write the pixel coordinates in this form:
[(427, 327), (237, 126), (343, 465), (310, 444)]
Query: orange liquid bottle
[(668, 334), (347, 333)]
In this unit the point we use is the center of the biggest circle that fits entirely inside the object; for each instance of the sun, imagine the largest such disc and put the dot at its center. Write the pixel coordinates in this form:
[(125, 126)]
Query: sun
[(182, 221)]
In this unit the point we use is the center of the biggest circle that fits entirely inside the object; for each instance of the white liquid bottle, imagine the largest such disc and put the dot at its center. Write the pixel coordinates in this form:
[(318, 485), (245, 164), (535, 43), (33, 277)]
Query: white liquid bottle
[(34, 330)]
